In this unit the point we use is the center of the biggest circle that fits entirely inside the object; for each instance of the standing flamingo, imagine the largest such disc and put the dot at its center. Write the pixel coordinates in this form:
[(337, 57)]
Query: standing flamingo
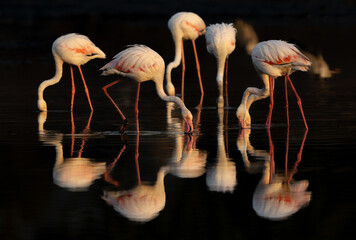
[(220, 42), (184, 25), (74, 49), (141, 64), (272, 59)]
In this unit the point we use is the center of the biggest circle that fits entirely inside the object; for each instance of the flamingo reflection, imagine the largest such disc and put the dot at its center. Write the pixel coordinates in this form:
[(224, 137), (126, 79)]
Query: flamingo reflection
[(277, 196), (141, 203), (221, 177), (74, 173), (187, 160)]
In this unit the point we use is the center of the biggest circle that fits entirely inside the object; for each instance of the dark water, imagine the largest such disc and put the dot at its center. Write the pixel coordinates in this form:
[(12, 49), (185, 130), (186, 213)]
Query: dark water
[(211, 187)]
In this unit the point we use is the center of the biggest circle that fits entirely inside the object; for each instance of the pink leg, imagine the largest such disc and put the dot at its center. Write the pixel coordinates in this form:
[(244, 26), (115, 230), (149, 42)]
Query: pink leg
[(107, 176), (299, 157), (226, 89), (183, 71), (286, 156), (271, 154), (269, 118), (85, 87), (137, 98), (299, 101), (286, 93), (73, 132), (82, 147), (136, 152), (73, 88), (198, 68), (123, 127)]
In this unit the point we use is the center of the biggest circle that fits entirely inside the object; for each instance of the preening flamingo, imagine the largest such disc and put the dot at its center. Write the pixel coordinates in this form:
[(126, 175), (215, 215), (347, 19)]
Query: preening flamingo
[(184, 25), (220, 42), (141, 64), (272, 59), (74, 49)]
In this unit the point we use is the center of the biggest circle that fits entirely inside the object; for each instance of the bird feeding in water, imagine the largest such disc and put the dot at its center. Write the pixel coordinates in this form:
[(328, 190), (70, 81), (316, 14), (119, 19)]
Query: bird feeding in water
[(74, 49), (272, 59), (184, 26), (220, 42), (141, 64)]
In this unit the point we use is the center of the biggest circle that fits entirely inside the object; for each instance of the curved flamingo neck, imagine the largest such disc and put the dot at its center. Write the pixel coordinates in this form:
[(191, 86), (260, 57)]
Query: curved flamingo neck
[(178, 42), (56, 78), (165, 97)]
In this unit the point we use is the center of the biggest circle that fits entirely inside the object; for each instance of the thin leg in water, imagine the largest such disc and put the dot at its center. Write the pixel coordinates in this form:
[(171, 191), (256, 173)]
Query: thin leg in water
[(85, 87), (226, 89), (299, 101), (183, 71), (124, 125), (271, 88), (286, 93), (73, 88), (198, 71)]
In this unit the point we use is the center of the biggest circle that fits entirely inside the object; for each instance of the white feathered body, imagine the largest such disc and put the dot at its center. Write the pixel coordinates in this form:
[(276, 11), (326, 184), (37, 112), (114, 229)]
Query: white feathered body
[(277, 58), (138, 62), (76, 49), (220, 39)]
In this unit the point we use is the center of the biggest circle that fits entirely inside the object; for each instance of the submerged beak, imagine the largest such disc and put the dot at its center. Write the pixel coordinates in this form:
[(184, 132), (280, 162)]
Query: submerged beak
[(244, 125), (188, 126)]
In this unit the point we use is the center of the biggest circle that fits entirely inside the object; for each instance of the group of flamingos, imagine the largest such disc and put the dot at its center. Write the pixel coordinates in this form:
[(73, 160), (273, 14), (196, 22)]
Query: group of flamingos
[(271, 59)]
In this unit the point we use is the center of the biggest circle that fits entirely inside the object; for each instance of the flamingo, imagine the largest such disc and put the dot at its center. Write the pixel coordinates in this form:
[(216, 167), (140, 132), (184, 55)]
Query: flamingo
[(272, 59), (184, 25), (220, 42), (74, 49), (141, 64)]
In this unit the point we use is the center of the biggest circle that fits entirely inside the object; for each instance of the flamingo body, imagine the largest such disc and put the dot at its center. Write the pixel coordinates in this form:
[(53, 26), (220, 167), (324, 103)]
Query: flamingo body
[(277, 58), (220, 42), (183, 26), (272, 59), (74, 49), (141, 64)]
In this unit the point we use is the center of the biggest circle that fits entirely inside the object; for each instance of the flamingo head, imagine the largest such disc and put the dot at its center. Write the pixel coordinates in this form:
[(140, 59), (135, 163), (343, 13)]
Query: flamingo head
[(42, 105), (244, 117), (188, 118)]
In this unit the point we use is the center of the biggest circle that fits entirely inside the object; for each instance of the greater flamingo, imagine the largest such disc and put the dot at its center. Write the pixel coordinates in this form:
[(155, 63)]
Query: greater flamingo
[(184, 25), (141, 64), (220, 42), (272, 59), (74, 49)]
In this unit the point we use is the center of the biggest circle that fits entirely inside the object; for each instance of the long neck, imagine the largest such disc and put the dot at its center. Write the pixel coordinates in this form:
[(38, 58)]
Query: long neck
[(220, 74), (163, 95), (178, 42), (54, 80)]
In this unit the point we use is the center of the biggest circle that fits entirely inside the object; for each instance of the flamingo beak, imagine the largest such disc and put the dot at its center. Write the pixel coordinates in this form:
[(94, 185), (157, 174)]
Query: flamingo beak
[(244, 125), (188, 126)]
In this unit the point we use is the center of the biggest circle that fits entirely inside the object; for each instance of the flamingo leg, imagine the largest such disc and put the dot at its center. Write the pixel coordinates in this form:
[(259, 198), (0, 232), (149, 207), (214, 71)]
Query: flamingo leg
[(271, 154), (82, 147), (286, 93), (107, 176), (183, 71), (226, 89), (286, 156), (137, 152), (85, 87), (299, 101), (73, 88), (198, 68), (299, 157), (123, 127), (137, 98), (73, 132), (271, 88)]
